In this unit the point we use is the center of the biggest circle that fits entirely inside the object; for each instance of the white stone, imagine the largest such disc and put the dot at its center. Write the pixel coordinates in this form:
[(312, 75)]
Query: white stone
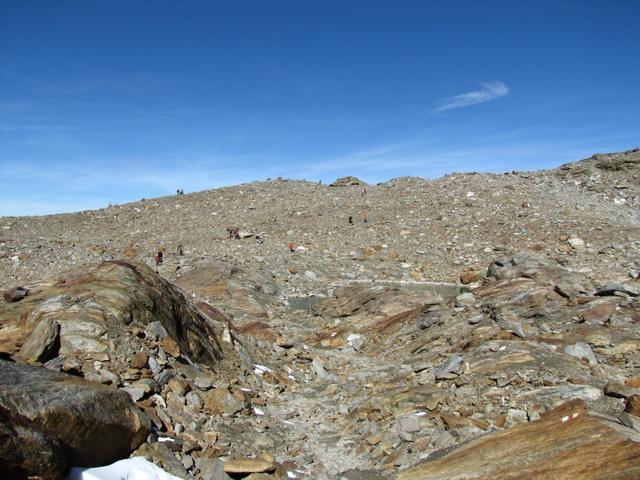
[(581, 350), (355, 340)]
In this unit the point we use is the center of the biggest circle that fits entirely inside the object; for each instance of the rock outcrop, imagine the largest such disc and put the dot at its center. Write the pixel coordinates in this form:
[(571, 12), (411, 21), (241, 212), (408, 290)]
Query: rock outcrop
[(83, 314), (567, 442)]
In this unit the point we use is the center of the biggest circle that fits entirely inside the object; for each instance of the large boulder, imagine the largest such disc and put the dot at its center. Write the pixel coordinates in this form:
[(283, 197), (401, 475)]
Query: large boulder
[(51, 421), (346, 181), (85, 313)]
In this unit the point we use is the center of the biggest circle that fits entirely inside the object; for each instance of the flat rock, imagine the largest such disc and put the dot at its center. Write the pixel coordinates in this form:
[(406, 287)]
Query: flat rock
[(612, 289), (556, 395), (450, 368), (248, 465), (581, 350), (599, 314)]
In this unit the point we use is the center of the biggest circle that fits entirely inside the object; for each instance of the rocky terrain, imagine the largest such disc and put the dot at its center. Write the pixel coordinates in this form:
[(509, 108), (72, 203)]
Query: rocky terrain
[(473, 326)]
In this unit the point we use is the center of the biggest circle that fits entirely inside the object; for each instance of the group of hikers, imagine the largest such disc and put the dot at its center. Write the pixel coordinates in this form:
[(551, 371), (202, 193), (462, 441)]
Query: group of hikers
[(160, 255), (365, 218), (236, 233)]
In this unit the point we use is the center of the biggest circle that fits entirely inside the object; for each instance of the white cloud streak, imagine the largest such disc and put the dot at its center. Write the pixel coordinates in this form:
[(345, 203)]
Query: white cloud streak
[(489, 91)]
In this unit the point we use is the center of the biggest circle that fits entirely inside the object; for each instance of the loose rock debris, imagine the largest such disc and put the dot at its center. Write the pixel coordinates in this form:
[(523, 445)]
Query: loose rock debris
[(467, 314)]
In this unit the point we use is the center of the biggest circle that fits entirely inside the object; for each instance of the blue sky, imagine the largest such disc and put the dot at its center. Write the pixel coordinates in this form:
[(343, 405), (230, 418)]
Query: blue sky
[(113, 101)]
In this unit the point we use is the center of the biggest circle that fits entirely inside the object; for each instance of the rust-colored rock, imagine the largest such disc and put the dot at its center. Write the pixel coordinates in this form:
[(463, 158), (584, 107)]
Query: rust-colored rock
[(170, 346), (221, 402), (599, 314), (139, 360), (633, 382), (259, 330), (632, 405), (470, 276), (15, 294)]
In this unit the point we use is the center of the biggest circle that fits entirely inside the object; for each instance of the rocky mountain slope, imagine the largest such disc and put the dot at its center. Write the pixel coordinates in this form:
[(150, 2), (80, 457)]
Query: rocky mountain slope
[(474, 326)]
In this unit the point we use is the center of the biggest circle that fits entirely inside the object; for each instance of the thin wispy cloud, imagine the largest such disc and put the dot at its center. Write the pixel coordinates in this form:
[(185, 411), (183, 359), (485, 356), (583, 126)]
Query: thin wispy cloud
[(489, 91)]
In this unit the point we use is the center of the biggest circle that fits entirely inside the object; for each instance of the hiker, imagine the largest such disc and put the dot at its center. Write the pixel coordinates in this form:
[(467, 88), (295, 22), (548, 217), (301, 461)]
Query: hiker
[(292, 247), (365, 217), (179, 250), (236, 234), (364, 192), (159, 256), (158, 260), (350, 219), (231, 231)]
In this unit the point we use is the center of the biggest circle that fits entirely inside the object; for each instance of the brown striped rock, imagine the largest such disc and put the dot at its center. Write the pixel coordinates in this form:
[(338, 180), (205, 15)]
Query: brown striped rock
[(567, 443)]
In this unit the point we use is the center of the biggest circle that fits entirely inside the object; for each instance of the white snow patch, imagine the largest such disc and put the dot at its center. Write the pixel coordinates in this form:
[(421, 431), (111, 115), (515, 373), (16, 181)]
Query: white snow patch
[(260, 369), (136, 468)]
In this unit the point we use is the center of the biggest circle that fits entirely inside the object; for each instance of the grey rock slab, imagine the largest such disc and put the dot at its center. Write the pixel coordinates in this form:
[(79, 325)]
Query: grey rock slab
[(355, 340), (43, 343), (449, 369), (567, 287), (154, 366), (156, 330), (555, 395), (193, 400), (108, 378), (318, 368), (619, 390), (408, 424), (612, 289), (203, 382), (515, 416), (630, 421), (135, 393), (419, 367), (581, 350), (442, 439), (465, 299)]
